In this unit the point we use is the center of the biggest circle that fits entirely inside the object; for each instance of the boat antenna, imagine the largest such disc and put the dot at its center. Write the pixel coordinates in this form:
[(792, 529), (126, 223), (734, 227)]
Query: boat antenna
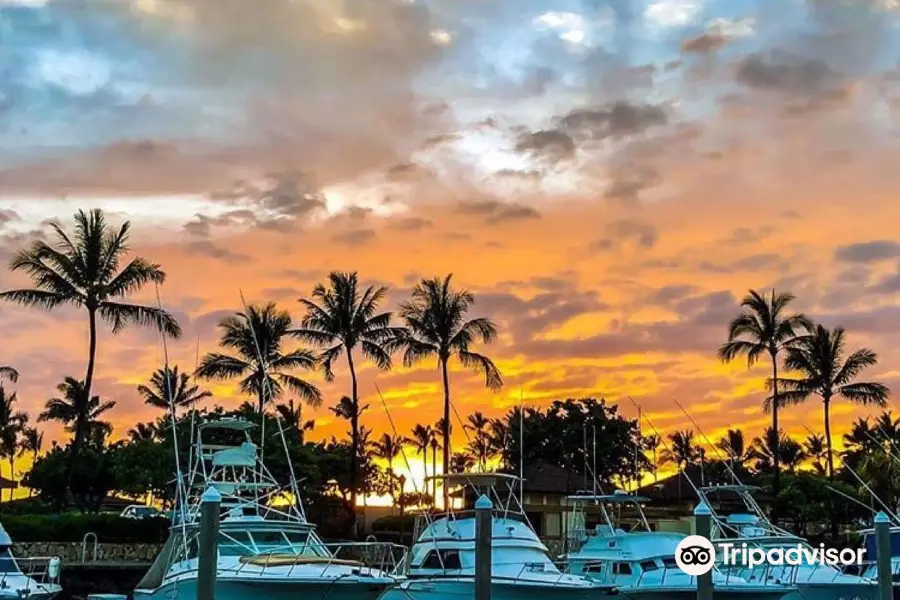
[(584, 453), (851, 499), (191, 456), (594, 456), (709, 442), (637, 443), (180, 492), (267, 393), (521, 450)]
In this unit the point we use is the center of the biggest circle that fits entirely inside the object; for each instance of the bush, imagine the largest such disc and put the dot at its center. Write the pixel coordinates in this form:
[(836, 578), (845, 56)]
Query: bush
[(394, 524), (72, 527)]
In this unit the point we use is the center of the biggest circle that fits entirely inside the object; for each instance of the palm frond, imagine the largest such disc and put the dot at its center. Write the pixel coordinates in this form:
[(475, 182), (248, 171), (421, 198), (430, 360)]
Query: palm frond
[(485, 366), (119, 315)]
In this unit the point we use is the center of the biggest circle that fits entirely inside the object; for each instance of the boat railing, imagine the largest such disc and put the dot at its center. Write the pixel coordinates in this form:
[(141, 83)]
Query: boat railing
[(41, 570), (762, 577), (368, 557)]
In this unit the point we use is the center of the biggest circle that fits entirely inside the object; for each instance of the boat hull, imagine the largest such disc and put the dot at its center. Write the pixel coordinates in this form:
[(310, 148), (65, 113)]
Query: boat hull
[(447, 589), (241, 589), (830, 591), (719, 593)]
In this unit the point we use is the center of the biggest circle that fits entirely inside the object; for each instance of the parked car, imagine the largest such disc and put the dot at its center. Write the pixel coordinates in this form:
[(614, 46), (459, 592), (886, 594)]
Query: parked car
[(137, 511)]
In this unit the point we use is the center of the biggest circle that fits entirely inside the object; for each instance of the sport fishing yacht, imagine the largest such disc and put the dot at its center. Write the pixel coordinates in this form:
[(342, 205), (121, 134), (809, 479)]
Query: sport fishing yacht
[(38, 581), (625, 552), (266, 547), (442, 559), (749, 524)]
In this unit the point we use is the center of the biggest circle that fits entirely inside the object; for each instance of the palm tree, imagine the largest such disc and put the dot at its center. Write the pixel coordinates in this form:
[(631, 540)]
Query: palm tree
[(461, 462), (168, 384), (9, 373), (12, 424), (257, 337), (437, 327), (480, 445), (292, 417), (421, 438), (682, 452), (763, 449), (387, 449), (733, 444), (340, 319), (817, 450), (651, 444), (144, 432), (86, 271), (825, 373), (71, 407), (32, 441), (762, 327)]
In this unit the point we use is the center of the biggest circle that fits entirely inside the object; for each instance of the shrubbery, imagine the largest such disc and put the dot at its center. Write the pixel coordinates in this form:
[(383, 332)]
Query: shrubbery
[(72, 527)]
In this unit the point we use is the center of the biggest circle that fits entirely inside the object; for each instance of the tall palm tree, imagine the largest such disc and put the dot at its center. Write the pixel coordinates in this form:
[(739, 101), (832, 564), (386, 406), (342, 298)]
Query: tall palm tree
[(341, 319), (763, 449), (168, 384), (461, 462), (32, 441), (436, 319), (71, 407), (387, 449), (86, 270), (256, 335), (763, 327), (9, 373), (12, 424), (682, 452), (825, 373), (421, 440), (292, 417)]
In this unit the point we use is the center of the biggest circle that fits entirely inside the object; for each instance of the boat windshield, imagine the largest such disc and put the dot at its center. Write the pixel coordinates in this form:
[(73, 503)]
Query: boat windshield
[(273, 541)]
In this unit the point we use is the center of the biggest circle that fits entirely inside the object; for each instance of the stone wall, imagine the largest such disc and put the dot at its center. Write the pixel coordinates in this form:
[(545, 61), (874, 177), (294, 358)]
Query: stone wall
[(71, 552)]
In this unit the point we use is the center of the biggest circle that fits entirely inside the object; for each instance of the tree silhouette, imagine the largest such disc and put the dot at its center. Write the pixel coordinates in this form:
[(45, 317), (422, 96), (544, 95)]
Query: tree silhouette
[(734, 446), (341, 319), (32, 441), (763, 449), (388, 448), (436, 320), (762, 327), (167, 383), (71, 408), (8, 373), (292, 418), (825, 373), (422, 438), (816, 449), (12, 425), (256, 335), (85, 270)]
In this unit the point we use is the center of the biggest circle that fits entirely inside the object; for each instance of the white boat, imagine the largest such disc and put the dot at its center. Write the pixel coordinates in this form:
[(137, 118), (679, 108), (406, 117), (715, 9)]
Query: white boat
[(265, 548), (639, 561), (442, 560), (38, 580), (813, 580)]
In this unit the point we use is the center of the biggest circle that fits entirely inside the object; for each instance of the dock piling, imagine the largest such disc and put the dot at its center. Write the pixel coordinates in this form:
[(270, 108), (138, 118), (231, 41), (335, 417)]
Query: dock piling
[(703, 527), (209, 544), (883, 556), (483, 535)]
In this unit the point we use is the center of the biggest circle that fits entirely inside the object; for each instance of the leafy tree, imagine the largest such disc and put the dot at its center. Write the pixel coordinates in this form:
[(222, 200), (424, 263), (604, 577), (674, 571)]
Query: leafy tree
[(8, 373), (167, 383), (256, 335), (341, 319), (763, 327), (292, 418), (438, 326), (461, 462), (144, 432), (734, 446), (763, 450), (817, 450), (819, 358), (85, 270), (71, 409), (32, 441), (481, 445), (421, 439), (388, 448), (12, 425), (682, 451), (652, 443)]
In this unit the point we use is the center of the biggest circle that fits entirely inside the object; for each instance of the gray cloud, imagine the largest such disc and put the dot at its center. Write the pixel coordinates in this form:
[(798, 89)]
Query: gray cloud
[(354, 237), (868, 252), (211, 250), (411, 224)]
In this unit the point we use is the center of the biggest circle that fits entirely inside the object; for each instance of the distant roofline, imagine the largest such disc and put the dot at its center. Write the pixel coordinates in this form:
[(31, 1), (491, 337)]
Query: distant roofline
[(473, 478), (730, 487)]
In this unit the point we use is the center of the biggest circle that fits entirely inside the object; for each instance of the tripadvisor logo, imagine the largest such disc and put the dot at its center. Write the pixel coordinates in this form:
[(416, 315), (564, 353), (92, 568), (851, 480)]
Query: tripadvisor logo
[(696, 555)]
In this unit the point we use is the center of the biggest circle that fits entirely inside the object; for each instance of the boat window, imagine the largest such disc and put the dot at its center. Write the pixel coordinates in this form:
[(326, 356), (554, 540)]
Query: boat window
[(448, 559), (305, 544), (235, 543), (669, 561), (7, 564), (594, 566), (622, 569), (649, 565), (270, 542)]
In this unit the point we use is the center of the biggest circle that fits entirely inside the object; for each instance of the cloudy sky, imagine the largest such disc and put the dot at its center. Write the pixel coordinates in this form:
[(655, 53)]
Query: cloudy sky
[(609, 177)]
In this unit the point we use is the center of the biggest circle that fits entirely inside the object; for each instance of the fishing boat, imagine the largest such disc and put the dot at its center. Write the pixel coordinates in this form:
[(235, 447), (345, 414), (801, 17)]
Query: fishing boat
[(749, 524), (442, 560), (266, 546), (870, 569), (624, 551), (38, 580)]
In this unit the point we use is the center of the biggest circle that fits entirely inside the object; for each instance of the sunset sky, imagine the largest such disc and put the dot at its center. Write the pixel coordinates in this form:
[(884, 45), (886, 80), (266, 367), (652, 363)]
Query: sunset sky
[(608, 176)]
